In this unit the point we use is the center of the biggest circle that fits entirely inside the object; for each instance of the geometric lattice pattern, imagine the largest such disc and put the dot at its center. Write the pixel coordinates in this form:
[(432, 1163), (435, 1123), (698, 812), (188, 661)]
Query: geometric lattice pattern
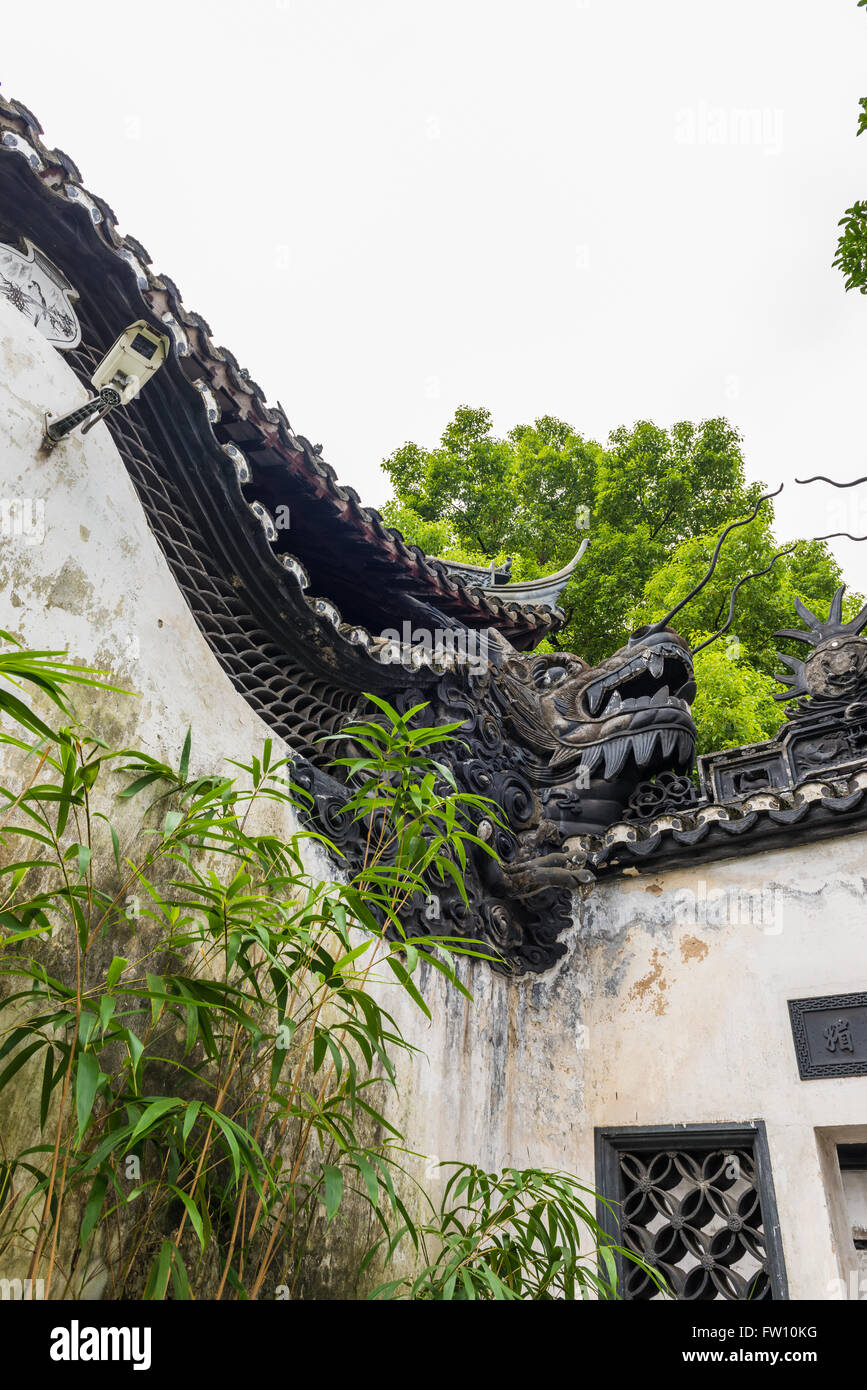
[(696, 1216), (697, 1204)]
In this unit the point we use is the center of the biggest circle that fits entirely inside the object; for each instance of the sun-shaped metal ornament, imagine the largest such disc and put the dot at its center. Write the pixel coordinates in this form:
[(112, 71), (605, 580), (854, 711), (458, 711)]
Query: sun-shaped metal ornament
[(836, 669), (40, 291)]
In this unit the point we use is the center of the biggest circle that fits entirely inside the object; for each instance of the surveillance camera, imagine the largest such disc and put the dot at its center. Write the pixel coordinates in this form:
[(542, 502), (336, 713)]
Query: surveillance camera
[(127, 366), (131, 360)]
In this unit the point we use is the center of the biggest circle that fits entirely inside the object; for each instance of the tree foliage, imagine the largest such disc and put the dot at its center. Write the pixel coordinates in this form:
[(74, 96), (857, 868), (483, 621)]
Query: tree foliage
[(653, 502), (851, 257)]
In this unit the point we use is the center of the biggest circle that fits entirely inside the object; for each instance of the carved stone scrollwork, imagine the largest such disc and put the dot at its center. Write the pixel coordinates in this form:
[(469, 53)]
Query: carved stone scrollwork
[(668, 792), (558, 747), (826, 725)]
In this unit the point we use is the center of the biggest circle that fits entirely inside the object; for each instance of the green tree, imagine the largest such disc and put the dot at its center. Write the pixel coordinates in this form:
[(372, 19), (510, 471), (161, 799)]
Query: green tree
[(851, 257), (735, 675), (655, 502)]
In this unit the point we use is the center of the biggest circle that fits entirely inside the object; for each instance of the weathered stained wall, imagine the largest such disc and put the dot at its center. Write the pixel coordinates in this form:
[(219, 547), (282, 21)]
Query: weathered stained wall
[(671, 1008), (691, 1003), (95, 581), (663, 1011), (81, 572)]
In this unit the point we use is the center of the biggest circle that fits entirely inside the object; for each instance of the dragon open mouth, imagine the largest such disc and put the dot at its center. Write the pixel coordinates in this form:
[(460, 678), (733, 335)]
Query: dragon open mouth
[(649, 676), (641, 709)]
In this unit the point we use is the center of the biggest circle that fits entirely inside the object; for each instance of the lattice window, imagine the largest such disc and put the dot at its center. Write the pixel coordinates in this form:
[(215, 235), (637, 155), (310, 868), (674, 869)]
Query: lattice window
[(697, 1203)]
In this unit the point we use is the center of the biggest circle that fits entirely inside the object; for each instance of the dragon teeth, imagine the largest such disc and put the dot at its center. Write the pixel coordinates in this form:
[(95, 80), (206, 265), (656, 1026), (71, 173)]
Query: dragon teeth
[(660, 697), (684, 747), (594, 697), (615, 756), (591, 757), (644, 745), (614, 704), (655, 663)]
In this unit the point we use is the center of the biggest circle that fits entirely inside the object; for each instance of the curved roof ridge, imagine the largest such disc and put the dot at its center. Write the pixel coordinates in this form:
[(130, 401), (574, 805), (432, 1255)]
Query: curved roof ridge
[(523, 622)]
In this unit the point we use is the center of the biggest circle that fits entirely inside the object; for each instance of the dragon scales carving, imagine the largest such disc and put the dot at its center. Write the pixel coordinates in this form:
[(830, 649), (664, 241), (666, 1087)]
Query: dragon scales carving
[(559, 746)]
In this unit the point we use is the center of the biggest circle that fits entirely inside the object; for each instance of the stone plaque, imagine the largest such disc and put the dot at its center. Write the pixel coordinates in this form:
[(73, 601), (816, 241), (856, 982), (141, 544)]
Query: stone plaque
[(830, 1035)]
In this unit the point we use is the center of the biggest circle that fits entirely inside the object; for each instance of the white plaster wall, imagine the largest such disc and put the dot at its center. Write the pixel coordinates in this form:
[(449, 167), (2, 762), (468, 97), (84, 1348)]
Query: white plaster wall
[(664, 1015), (651, 1018), (97, 584), (689, 1021)]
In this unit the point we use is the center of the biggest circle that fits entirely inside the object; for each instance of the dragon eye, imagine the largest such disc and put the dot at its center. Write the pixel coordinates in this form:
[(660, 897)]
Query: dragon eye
[(551, 677)]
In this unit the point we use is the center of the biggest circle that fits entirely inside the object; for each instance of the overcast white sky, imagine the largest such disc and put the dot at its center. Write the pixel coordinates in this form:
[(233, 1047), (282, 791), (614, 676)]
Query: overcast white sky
[(601, 209)]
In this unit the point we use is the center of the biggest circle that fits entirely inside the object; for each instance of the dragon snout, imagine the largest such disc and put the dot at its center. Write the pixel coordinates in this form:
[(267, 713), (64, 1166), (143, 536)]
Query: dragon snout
[(658, 673)]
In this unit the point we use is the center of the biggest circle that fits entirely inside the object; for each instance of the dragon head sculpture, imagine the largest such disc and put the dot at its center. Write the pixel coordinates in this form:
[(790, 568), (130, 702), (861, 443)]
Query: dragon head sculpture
[(594, 732), (559, 746)]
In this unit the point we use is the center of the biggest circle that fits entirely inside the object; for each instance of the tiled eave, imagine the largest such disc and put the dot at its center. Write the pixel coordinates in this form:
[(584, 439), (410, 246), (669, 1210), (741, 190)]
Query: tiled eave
[(815, 810), (264, 431)]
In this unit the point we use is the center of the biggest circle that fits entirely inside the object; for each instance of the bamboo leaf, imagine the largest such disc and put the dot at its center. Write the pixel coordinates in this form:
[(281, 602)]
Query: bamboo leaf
[(158, 1280), (115, 970), (190, 1118), (106, 1008), (93, 1208), (154, 1112), (19, 1059), (333, 1190), (184, 766), (45, 1094), (226, 1129), (193, 1213), (87, 1078), (157, 994), (367, 1171)]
